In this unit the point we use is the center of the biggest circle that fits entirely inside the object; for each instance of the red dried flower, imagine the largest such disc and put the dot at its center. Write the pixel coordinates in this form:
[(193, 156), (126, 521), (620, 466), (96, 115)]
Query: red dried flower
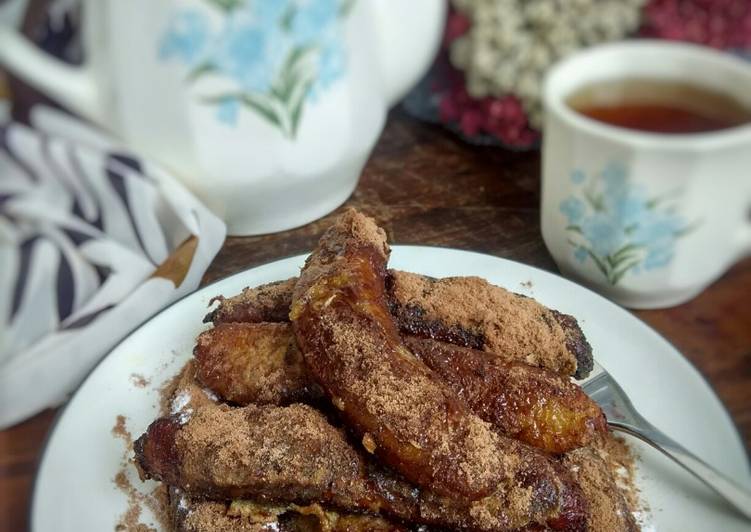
[(716, 23)]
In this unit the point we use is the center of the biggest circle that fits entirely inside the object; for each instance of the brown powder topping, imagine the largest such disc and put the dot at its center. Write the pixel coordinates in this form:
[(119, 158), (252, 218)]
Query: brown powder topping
[(608, 507), (139, 381), (616, 453), (473, 328), (182, 393), (359, 229), (494, 319), (294, 454), (155, 501), (267, 449), (418, 411), (282, 467), (352, 347), (121, 431), (259, 363), (129, 522)]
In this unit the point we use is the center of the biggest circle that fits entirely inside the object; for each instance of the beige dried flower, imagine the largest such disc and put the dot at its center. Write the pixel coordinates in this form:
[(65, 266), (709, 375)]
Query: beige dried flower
[(512, 43)]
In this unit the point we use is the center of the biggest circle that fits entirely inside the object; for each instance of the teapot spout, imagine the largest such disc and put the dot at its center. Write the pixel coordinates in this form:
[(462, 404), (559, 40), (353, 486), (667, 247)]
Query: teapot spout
[(409, 34)]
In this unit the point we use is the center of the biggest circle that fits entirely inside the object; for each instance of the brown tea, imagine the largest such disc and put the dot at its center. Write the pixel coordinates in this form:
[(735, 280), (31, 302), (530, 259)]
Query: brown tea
[(660, 106)]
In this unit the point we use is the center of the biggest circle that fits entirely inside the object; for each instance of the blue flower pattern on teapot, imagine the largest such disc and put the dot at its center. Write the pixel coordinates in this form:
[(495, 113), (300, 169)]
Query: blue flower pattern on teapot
[(277, 55), (617, 225)]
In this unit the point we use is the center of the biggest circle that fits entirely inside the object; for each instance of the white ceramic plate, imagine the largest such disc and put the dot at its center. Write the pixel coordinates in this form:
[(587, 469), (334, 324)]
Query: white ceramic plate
[(74, 489)]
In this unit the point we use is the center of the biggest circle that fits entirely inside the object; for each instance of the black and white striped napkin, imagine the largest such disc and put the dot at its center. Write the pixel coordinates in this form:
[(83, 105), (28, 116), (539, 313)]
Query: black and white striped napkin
[(84, 225)]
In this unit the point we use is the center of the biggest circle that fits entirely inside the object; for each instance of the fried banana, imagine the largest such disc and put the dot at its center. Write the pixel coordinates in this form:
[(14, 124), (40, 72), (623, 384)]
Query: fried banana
[(529, 404), (259, 363), (268, 302), (401, 409), (471, 312), (293, 455), (254, 363), (195, 515), (186, 393), (466, 311), (608, 509), (224, 453)]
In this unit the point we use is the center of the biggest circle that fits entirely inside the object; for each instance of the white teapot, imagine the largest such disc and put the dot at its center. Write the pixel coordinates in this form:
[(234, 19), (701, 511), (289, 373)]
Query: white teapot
[(266, 109)]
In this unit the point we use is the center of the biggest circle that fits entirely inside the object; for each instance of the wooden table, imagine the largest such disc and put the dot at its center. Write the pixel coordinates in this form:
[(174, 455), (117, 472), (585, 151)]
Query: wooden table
[(425, 187)]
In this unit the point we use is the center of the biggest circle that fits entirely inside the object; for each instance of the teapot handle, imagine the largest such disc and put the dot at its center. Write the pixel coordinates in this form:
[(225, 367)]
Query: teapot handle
[(73, 87), (409, 33)]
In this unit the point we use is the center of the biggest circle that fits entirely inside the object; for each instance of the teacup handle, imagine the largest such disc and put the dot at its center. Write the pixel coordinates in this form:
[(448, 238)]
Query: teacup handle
[(73, 87)]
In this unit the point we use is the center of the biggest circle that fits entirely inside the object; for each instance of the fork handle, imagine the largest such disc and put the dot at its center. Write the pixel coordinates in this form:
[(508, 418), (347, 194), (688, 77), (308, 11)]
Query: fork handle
[(737, 496)]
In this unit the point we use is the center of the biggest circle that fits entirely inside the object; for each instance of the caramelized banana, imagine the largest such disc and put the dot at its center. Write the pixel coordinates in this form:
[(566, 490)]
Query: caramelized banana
[(402, 411), (292, 455), (466, 311), (259, 363), (529, 404)]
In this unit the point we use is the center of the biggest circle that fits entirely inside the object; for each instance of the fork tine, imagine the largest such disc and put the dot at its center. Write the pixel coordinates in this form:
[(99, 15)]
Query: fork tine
[(606, 392)]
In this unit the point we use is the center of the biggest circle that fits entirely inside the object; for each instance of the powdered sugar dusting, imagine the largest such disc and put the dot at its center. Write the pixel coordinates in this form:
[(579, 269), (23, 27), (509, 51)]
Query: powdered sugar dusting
[(180, 401), (211, 395)]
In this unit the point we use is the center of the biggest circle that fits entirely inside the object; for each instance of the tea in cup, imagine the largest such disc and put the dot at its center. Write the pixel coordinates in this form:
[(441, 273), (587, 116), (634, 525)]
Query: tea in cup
[(646, 188)]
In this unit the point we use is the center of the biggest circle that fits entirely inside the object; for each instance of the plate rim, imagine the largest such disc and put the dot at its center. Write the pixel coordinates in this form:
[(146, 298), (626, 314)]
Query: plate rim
[(64, 408)]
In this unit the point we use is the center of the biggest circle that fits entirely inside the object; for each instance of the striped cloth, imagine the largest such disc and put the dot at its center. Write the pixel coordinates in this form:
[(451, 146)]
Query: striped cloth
[(84, 228)]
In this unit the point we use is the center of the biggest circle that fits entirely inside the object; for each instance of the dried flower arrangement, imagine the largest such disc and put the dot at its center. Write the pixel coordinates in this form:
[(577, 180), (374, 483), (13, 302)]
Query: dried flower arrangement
[(486, 83)]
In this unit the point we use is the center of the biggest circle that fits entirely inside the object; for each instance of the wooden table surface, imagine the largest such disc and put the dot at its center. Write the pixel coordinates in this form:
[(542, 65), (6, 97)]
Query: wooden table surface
[(425, 187)]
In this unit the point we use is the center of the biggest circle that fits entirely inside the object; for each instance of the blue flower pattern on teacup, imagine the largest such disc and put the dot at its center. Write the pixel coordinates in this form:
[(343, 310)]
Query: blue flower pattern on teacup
[(276, 54), (616, 224)]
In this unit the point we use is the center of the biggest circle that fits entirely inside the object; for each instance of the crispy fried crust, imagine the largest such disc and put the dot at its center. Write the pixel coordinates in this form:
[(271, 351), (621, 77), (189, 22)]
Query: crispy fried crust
[(576, 344), (293, 455), (195, 515), (403, 412), (491, 318), (268, 302), (254, 363), (259, 363)]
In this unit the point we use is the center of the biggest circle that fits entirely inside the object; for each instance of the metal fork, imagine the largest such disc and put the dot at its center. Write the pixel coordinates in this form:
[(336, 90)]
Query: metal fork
[(622, 416)]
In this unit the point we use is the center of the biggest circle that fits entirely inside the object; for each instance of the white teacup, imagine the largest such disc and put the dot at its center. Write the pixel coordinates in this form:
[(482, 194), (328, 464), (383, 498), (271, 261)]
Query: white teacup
[(266, 109), (647, 219)]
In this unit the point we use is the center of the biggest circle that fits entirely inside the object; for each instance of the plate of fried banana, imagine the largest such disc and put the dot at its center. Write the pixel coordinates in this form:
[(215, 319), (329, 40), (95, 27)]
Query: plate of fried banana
[(365, 387)]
